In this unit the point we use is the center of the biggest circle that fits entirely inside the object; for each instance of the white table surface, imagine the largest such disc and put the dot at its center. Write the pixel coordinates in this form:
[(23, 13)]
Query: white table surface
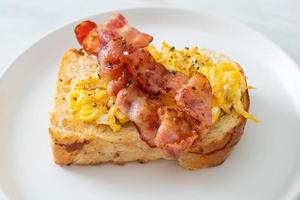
[(24, 22)]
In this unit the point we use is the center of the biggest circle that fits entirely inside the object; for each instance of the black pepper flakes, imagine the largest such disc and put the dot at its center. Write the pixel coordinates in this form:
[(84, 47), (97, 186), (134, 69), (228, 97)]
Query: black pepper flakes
[(109, 65), (81, 51), (60, 80), (157, 94), (168, 89), (172, 48), (75, 98)]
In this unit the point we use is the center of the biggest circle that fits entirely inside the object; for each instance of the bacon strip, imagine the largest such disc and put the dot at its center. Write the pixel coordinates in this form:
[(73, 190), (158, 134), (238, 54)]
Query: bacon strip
[(83, 29), (86, 33), (152, 77), (159, 126), (175, 134), (91, 43), (175, 149), (119, 24), (140, 110), (114, 86), (112, 47), (192, 95), (194, 99), (173, 82), (143, 68)]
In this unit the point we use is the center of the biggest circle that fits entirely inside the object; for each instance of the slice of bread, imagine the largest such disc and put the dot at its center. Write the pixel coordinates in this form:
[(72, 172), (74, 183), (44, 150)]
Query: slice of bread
[(77, 142)]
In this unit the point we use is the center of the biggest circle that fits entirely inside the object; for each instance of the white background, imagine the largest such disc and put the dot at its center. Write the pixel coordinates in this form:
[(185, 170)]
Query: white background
[(23, 22)]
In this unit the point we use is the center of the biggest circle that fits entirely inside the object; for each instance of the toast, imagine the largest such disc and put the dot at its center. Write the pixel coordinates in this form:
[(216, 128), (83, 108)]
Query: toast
[(77, 142)]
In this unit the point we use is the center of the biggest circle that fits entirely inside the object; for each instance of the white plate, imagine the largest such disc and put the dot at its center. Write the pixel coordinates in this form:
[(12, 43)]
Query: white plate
[(264, 165)]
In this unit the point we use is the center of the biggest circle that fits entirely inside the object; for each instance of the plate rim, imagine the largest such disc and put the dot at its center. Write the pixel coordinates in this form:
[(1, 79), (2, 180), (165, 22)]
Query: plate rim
[(292, 191)]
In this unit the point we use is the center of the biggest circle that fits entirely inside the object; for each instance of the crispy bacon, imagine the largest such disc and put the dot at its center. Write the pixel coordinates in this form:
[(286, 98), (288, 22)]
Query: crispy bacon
[(173, 82), (141, 110), (143, 68), (192, 95), (175, 134), (114, 86), (83, 29), (194, 99), (167, 132), (175, 149), (119, 24), (153, 77), (112, 47), (86, 33), (158, 126), (91, 43)]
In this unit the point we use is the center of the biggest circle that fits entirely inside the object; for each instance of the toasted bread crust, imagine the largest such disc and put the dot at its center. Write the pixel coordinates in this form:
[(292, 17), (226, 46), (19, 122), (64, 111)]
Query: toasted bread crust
[(75, 142), (217, 156)]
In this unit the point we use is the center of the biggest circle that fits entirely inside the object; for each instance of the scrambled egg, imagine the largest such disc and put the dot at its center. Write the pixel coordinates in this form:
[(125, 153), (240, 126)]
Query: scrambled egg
[(89, 102), (227, 81)]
